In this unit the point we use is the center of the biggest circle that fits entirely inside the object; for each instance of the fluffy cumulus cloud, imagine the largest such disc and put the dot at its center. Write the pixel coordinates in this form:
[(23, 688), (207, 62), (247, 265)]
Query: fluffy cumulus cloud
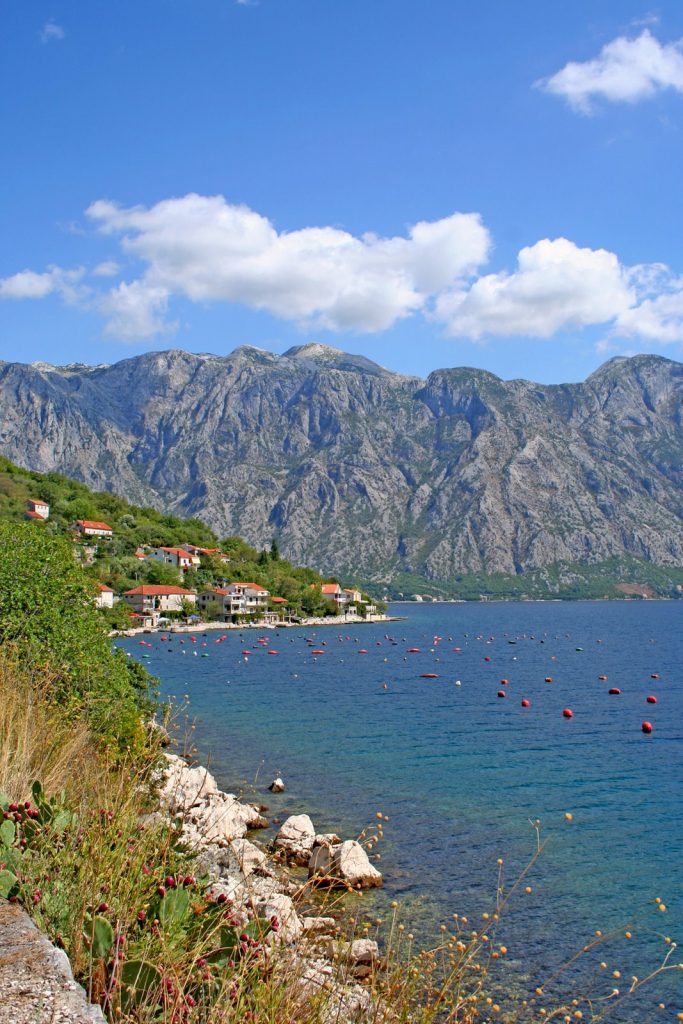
[(656, 318), (556, 286), (207, 250), (625, 70), (28, 284)]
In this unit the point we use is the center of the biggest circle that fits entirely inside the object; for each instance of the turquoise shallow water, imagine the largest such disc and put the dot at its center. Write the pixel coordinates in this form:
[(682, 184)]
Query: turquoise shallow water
[(461, 771)]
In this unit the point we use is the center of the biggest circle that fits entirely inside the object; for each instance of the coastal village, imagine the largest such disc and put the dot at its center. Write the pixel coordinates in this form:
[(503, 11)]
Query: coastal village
[(220, 599)]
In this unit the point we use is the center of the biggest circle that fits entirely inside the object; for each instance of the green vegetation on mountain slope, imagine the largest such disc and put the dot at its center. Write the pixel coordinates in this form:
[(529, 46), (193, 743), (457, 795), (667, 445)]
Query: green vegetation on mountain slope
[(114, 562)]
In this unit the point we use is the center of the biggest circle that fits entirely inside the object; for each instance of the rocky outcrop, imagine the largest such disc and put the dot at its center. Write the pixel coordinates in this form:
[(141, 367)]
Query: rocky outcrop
[(36, 983), (312, 960), (465, 472)]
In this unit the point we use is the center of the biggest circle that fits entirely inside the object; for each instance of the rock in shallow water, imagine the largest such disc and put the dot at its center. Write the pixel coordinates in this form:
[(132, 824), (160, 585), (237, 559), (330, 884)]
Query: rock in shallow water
[(344, 864), (296, 838)]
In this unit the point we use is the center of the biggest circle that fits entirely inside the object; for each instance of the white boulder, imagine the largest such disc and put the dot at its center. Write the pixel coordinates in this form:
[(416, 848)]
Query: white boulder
[(296, 838), (344, 864)]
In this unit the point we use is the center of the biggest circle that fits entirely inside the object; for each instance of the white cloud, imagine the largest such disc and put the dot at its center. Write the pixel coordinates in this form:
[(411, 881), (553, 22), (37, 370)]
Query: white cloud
[(206, 249), (108, 268), (626, 70), (135, 310), (556, 286), (50, 31), (27, 284), (656, 319)]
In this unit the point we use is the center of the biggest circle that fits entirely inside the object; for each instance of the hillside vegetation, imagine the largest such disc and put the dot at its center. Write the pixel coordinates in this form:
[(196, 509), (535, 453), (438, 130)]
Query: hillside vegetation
[(113, 562)]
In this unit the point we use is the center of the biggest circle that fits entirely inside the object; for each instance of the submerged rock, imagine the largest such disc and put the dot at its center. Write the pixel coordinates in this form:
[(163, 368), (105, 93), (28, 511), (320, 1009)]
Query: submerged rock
[(277, 786)]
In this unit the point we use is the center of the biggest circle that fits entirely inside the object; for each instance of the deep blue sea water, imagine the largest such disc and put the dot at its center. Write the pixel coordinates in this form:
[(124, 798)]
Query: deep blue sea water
[(460, 772)]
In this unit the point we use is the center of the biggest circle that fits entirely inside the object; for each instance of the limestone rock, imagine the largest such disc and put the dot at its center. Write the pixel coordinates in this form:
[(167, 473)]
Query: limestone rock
[(281, 907), (327, 839), (295, 839), (319, 925), (185, 787), (277, 786), (344, 864)]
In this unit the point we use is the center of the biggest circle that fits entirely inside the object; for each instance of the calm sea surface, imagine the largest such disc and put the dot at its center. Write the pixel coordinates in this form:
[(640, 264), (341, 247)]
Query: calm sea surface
[(460, 772)]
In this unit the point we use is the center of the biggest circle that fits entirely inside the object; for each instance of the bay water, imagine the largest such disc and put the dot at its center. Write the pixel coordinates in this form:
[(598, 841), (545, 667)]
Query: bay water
[(464, 775)]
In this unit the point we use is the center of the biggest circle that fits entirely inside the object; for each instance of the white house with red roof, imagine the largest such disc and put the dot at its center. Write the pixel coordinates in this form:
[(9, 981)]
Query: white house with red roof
[(158, 597), (205, 552), (104, 598), (93, 528), (37, 509), (254, 596), (178, 558)]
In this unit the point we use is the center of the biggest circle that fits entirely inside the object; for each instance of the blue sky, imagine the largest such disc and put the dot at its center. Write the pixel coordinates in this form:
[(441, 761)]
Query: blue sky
[(431, 184)]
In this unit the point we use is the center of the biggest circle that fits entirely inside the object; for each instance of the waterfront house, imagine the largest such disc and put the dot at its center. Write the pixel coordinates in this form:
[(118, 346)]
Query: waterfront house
[(228, 603), (93, 528), (254, 596), (157, 597)]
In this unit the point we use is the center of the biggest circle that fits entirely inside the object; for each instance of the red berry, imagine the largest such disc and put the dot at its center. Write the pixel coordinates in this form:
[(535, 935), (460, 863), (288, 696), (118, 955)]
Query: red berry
[(13, 808), (222, 898), (141, 915), (161, 890), (169, 881), (103, 908)]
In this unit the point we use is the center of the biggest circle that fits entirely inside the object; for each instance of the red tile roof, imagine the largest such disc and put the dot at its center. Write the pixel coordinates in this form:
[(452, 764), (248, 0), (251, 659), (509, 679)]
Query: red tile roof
[(34, 515), (330, 588), (93, 524), (279, 600), (104, 589), (37, 501), (156, 590), (252, 586), (180, 552)]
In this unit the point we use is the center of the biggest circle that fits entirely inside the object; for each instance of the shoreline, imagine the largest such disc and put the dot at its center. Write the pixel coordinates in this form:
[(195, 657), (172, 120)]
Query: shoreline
[(204, 627), (264, 882)]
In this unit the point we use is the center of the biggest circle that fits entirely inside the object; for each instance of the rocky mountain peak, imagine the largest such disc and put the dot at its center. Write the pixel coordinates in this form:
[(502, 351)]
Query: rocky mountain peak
[(362, 471)]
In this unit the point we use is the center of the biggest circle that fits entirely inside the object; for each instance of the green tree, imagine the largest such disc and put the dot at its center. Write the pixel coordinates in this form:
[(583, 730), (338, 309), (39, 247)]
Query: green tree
[(48, 618), (274, 551)]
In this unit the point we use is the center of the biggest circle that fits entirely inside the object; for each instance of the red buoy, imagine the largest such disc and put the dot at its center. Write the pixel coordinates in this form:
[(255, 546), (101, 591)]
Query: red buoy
[(614, 689), (568, 713), (654, 675), (526, 703), (647, 727), (603, 679), (504, 682), (548, 679), (651, 699), (487, 658), (502, 693)]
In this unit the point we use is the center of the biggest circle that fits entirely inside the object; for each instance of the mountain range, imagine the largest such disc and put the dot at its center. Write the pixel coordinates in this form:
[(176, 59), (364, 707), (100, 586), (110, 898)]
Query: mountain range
[(365, 472)]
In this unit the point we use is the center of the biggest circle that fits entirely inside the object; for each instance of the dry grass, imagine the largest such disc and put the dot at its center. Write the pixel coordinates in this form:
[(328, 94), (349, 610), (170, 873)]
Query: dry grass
[(36, 742)]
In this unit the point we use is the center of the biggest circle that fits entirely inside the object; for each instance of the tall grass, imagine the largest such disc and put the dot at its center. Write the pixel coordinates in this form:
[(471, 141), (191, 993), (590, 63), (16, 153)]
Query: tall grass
[(36, 742)]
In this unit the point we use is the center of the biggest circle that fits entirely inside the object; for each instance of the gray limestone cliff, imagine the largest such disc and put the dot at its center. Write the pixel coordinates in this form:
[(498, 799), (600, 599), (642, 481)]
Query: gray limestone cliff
[(363, 471)]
